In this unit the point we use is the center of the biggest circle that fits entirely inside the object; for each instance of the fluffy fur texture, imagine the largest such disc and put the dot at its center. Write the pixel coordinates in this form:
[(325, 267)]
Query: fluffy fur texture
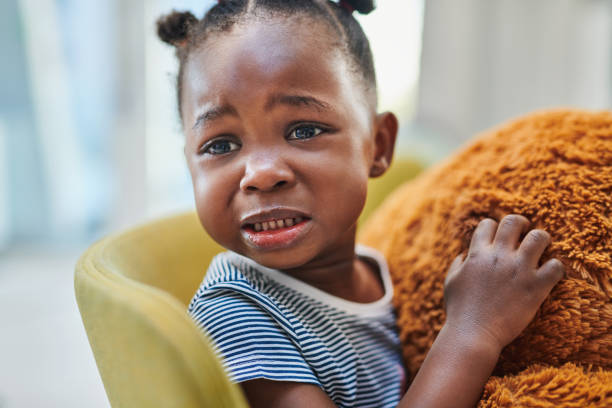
[(555, 168)]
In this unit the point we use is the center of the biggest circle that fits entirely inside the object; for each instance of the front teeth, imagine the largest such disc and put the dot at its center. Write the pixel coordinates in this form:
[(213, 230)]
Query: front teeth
[(276, 224)]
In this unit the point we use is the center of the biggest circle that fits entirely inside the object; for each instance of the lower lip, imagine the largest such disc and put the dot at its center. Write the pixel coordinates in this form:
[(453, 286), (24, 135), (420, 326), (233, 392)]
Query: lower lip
[(277, 238)]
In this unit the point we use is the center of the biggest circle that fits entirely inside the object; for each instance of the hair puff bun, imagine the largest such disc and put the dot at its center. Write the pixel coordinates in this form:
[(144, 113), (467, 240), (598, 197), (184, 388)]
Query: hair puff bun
[(362, 6), (173, 28)]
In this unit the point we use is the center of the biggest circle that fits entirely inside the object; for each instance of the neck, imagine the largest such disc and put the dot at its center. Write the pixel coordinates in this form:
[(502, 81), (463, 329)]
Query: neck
[(339, 272)]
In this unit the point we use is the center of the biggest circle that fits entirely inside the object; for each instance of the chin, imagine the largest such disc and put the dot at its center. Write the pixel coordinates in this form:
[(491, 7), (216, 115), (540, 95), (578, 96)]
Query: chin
[(274, 261), (288, 258)]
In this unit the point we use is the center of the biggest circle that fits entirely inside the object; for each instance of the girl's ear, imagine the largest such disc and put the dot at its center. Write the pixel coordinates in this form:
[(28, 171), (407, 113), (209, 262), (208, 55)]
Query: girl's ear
[(384, 143)]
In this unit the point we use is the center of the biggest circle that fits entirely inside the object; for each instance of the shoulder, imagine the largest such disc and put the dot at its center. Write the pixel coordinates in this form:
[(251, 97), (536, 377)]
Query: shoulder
[(223, 269), (223, 276), (226, 292), (249, 330), (230, 286)]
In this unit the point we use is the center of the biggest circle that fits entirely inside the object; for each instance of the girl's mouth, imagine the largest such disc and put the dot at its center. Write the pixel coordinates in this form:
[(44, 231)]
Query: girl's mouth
[(276, 233), (275, 224)]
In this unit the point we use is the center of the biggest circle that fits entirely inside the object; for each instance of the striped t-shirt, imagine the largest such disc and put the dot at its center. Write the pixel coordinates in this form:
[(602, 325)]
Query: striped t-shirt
[(266, 324)]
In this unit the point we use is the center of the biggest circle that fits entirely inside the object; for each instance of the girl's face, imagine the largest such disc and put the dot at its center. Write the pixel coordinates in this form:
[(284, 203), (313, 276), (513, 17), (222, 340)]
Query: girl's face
[(280, 141)]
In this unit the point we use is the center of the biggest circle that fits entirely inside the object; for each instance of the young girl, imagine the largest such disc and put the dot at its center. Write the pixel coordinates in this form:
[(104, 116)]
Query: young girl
[(278, 104)]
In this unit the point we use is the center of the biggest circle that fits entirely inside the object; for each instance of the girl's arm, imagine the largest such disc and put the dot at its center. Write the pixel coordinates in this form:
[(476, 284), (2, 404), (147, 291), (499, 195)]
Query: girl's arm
[(284, 394), (453, 373), (490, 297)]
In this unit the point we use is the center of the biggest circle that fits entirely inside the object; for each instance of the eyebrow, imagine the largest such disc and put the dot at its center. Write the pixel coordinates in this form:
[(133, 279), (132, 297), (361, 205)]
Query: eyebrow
[(215, 113), (275, 100), (296, 100)]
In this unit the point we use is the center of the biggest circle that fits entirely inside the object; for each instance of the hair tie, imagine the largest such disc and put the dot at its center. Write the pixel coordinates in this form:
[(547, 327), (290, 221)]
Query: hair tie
[(347, 6)]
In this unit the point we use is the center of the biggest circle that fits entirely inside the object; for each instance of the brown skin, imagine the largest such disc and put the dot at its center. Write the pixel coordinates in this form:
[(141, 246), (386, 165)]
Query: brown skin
[(244, 155), (324, 177), (490, 297)]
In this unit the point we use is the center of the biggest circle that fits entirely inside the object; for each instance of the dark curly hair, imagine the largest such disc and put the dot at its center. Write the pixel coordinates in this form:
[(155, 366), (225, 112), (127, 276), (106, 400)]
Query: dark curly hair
[(185, 32)]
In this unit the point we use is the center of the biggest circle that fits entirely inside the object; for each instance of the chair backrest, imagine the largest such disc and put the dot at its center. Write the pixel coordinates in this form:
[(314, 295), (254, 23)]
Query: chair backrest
[(401, 170), (132, 290)]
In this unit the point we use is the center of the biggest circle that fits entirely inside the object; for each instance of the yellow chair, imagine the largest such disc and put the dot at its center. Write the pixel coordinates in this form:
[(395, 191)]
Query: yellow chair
[(133, 289)]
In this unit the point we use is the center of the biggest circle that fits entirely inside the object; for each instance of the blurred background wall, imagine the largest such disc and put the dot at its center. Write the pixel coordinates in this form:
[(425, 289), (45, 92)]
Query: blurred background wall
[(90, 139), (484, 62)]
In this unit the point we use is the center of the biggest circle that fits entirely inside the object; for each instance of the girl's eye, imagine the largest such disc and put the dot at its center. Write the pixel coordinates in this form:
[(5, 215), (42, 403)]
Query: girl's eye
[(220, 147), (304, 132)]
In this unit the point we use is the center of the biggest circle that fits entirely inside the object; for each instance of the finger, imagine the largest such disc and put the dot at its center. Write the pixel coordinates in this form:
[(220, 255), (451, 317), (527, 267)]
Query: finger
[(484, 233), (533, 245), (510, 229), (456, 262), (453, 268), (550, 273)]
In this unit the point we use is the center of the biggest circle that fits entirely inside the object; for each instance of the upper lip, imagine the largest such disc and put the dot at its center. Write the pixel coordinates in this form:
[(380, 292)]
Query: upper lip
[(270, 214)]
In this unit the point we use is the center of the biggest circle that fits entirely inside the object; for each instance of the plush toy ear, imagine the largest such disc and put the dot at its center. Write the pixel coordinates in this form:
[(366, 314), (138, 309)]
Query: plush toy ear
[(384, 140)]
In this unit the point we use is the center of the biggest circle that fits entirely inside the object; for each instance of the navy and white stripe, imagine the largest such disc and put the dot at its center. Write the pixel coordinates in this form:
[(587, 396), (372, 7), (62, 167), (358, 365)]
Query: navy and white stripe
[(266, 324)]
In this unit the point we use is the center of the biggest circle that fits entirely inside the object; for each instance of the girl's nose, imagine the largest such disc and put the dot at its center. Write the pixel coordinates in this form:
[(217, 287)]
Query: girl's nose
[(266, 173)]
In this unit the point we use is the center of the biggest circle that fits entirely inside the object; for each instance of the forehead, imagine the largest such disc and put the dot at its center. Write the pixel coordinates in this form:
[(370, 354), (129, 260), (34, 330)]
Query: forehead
[(258, 55)]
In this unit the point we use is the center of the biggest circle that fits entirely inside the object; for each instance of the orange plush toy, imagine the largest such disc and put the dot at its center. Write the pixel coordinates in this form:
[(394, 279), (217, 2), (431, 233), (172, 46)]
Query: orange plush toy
[(555, 168)]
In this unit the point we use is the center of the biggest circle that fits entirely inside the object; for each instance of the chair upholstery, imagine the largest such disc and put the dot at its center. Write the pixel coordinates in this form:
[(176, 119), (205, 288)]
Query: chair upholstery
[(132, 290)]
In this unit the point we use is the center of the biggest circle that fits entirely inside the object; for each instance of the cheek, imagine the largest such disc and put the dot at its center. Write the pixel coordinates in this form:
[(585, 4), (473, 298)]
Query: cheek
[(211, 198), (351, 197), (342, 180)]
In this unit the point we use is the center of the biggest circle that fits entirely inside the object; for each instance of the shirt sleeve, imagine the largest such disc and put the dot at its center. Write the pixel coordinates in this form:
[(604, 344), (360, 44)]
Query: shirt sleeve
[(250, 342)]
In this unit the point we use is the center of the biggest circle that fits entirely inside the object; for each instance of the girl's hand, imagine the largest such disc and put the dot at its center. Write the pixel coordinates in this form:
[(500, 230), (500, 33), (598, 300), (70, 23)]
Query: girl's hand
[(490, 297), (494, 293)]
